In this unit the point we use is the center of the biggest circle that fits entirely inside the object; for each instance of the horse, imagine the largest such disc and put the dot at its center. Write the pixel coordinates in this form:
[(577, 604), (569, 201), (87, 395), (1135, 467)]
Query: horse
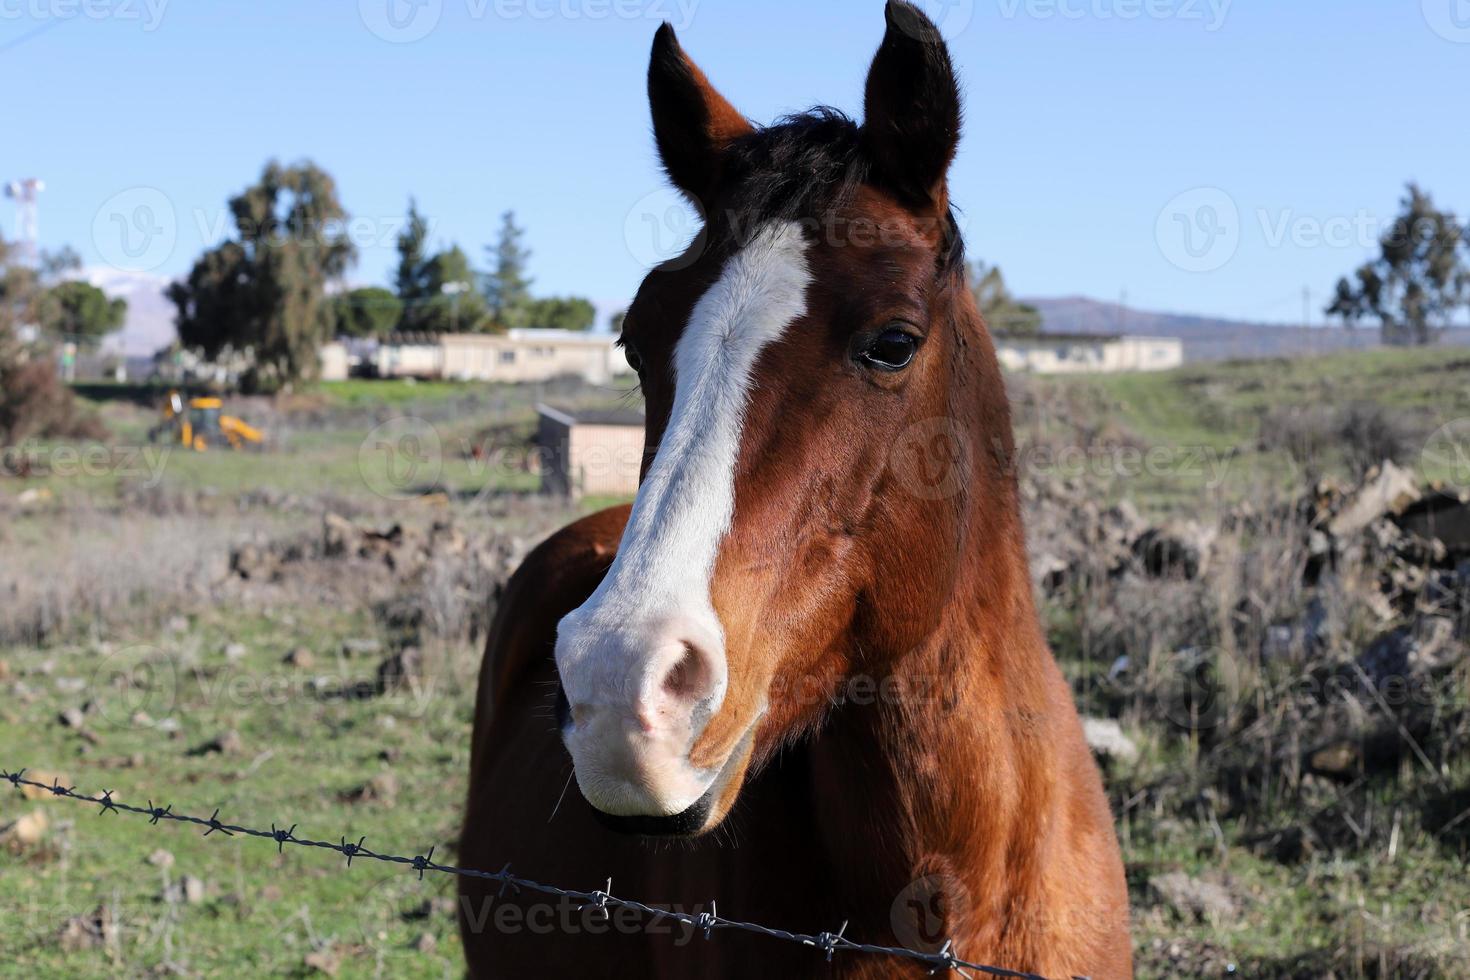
[(800, 680)]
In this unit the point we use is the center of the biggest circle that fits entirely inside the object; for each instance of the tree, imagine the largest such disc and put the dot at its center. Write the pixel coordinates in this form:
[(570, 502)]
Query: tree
[(561, 313), (33, 400), (81, 312), (1419, 279), (615, 321), (413, 260), (371, 311), (1001, 311), (263, 292), (507, 287), (450, 303)]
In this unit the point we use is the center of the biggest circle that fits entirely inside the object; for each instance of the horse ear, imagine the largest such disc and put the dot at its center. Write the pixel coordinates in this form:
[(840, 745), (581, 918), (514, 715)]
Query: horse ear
[(692, 123), (912, 107)]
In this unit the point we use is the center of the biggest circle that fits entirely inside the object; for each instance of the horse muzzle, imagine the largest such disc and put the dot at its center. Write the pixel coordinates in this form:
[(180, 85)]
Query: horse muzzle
[(634, 700)]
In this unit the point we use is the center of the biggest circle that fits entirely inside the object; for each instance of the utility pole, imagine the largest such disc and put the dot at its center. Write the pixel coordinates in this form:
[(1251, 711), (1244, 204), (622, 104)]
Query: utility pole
[(27, 225)]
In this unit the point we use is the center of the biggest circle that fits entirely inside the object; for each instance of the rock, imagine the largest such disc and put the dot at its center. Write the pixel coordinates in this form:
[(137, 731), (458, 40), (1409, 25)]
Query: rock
[(193, 888), (71, 718), (323, 961), (1443, 517), (234, 651), (382, 788), (300, 657), (1340, 759), (42, 776), (1194, 899), (339, 536), (161, 859), (1106, 739), (400, 670), (360, 647), (89, 931), (228, 743), (1387, 491), (426, 943), (1176, 548), (27, 831)]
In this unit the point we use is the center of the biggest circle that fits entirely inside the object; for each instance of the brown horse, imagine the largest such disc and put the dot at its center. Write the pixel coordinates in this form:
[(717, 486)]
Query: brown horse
[(808, 653)]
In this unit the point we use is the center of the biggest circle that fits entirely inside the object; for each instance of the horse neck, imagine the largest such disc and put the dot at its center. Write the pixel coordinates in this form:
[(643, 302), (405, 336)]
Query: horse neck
[(958, 758)]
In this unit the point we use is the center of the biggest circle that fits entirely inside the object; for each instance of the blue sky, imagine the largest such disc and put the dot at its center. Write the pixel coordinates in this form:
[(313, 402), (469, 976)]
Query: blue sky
[(1288, 129)]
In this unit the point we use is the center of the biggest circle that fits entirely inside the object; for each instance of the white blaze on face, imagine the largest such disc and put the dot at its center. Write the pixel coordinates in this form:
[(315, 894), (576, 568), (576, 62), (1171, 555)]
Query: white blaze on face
[(630, 743)]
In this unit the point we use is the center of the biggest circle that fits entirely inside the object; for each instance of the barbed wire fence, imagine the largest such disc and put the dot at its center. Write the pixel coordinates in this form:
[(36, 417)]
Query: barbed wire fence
[(828, 943)]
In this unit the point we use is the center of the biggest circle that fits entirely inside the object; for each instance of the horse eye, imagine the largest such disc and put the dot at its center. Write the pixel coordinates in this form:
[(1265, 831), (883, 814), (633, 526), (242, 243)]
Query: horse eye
[(635, 359), (891, 350)]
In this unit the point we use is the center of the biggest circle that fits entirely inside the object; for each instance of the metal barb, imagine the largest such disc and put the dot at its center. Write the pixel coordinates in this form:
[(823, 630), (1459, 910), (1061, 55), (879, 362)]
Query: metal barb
[(944, 960), (106, 803)]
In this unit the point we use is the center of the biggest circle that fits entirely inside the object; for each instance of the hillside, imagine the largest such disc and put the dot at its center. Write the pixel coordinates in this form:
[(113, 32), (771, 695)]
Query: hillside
[(1207, 338)]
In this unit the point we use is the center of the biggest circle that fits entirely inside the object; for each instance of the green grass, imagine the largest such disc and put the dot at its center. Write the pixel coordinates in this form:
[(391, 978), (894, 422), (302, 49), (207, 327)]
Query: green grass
[(302, 753)]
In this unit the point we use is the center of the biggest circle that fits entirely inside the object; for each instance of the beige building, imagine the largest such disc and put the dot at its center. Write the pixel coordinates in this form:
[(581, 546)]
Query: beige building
[(1057, 353), (598, 453), (517, 355), (335, 363)]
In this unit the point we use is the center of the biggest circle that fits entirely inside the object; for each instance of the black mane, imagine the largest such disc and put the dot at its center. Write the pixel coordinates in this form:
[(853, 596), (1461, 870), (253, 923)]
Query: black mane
[(800, 168)]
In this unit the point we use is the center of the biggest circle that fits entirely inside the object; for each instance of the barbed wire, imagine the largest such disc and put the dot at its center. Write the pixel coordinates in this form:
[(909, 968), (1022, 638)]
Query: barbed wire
[(946, 959)]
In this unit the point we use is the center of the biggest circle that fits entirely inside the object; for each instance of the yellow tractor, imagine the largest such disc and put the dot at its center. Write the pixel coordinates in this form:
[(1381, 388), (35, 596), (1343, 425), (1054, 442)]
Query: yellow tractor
[(201, 423)]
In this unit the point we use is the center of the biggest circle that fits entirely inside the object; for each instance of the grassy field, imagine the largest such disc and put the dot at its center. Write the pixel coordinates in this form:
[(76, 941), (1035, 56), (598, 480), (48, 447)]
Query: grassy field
[(134, 658)]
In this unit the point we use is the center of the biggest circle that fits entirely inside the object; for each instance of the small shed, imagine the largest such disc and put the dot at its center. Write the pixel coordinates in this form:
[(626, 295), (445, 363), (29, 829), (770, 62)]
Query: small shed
[(589, 452)]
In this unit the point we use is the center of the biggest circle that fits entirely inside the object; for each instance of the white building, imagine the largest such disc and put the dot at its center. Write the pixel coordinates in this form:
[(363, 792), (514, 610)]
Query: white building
[(1057, 353), (517, 355)]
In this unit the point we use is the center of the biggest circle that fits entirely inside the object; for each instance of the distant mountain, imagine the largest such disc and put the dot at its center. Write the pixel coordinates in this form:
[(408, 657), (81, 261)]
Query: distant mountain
[(150, 322), (1206, 338)]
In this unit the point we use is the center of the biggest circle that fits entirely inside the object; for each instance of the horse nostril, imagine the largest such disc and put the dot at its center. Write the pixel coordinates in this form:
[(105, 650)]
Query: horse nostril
[(692, 677)]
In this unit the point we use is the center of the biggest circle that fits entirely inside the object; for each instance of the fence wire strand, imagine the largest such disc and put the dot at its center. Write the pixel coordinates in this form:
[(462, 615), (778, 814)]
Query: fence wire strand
[(828, 943)]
